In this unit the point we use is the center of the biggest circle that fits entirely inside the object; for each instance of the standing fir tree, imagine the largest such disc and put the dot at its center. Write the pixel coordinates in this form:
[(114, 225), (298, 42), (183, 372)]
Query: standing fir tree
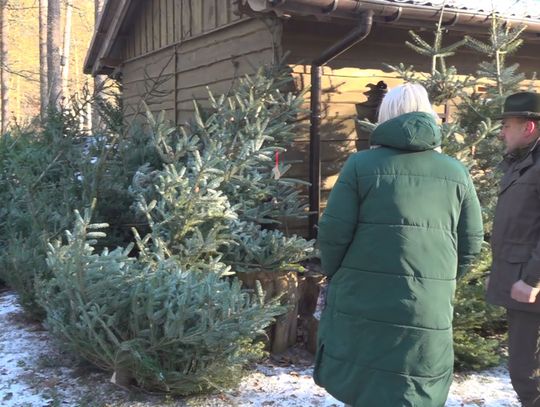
[(176, 318)]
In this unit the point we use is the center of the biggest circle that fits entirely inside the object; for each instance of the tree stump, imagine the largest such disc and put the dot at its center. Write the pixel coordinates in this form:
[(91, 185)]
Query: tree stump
[(310, 290), (282, 334), (122, 378)]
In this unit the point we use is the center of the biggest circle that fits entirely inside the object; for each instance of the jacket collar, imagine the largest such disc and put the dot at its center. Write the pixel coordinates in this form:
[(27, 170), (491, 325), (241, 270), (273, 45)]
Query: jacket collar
[(514, 168), (415, 131)]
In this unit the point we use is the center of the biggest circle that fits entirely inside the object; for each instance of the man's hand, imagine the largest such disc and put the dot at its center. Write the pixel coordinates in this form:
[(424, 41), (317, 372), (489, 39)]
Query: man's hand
[(522, 292)]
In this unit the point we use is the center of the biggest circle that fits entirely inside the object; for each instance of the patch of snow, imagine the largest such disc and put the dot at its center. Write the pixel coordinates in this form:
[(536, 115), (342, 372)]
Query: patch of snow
[(19, 349), (34, 372), (491, 388), (282, 387), (32, 368)]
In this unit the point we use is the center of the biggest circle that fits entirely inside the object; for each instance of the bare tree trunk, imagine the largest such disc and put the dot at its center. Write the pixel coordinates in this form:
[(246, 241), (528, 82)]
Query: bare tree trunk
[(54, 39), (66, 48), (4, 71), (43, 87), (99, 80), (18, 116)]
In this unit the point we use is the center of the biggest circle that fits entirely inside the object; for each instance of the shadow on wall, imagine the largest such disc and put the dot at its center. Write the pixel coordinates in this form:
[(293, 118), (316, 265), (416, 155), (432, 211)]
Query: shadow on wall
[(339, 132), (340, 137)]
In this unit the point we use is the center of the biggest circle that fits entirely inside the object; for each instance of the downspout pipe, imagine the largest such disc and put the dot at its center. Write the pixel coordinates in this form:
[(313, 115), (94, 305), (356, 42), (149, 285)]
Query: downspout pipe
[(355, 36)]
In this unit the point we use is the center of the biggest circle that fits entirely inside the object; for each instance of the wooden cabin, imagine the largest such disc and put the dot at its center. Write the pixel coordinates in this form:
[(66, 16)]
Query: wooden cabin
[(166, 52)]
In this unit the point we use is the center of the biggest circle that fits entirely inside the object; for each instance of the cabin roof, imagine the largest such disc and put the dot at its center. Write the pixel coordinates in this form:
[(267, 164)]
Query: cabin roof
[(526, 9), (103, 54)]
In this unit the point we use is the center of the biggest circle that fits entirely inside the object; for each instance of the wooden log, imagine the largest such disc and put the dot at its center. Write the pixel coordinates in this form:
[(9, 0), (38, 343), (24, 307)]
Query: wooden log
[(122, 377), (310, 292), (284, 330), (282, 334), (312, 326)]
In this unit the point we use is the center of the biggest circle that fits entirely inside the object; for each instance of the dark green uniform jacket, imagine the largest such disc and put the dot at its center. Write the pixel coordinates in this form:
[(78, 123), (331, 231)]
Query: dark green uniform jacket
[(402, 222), (515, 239)]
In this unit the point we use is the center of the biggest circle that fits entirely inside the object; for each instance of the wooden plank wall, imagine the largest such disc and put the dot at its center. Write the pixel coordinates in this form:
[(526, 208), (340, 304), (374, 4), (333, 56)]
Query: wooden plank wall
[(160, 23), (346, 83), (173, 77), (178, 47), (216, 60), (149, 80)]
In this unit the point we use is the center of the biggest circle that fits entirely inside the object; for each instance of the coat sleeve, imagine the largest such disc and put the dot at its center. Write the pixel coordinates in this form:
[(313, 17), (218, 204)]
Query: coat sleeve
[(470, 230), (338, 222), (531, 270)]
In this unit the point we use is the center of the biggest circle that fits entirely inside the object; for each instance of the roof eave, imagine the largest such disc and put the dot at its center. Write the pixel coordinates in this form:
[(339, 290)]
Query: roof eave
[(384, 12), (112, 18)]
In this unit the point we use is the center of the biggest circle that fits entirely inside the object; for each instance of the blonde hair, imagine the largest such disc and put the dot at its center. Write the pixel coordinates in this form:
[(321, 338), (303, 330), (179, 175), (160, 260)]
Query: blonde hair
[(406, 98)]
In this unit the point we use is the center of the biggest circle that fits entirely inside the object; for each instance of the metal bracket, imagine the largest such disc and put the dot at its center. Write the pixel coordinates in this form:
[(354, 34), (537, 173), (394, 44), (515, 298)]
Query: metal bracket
[(394, 17), (331, 7)]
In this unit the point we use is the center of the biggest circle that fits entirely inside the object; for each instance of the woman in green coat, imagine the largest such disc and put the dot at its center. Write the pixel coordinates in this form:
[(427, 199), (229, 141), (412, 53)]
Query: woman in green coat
[(402, 223)]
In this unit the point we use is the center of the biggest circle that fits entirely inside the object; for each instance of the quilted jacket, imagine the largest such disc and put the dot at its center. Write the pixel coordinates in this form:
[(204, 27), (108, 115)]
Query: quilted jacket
[(402, 223)]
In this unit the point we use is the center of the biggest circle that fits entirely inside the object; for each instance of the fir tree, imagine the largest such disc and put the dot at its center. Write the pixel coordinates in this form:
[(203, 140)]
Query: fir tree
[(151, 320), (442, 83), (173, 318), (41, 182), (230, 149)]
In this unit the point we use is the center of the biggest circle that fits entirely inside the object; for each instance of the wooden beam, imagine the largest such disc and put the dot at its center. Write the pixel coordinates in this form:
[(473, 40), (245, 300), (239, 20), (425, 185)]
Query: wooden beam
[(110, 62), (112, 33)]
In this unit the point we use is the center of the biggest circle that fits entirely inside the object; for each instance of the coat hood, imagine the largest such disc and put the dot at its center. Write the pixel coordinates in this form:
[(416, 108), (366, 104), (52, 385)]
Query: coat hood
[(415, 131)]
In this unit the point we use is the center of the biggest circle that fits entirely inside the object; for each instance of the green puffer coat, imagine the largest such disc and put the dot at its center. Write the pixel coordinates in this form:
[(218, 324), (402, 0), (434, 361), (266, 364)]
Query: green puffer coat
[(402, 223)]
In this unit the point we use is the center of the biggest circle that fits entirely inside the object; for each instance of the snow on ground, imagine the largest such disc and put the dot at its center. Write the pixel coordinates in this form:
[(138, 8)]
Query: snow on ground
[(491, 388), (34, 372)]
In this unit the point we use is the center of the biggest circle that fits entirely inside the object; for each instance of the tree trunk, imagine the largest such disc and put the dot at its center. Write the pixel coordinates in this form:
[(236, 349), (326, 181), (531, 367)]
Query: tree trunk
[(66, 48), (99, 80), (282, 334), (43, 87), (4, 72), (17, 114), (54, 39)]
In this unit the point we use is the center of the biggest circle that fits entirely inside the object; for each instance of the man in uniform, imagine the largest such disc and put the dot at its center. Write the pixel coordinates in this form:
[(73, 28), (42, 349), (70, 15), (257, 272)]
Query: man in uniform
[(514, 282)]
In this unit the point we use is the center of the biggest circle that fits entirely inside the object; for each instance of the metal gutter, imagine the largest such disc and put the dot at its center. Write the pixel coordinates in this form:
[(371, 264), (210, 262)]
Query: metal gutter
[(410, 15), (355, 36)]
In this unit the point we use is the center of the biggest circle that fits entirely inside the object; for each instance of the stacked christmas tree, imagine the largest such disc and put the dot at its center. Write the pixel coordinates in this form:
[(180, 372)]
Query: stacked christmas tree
[(175, 318)]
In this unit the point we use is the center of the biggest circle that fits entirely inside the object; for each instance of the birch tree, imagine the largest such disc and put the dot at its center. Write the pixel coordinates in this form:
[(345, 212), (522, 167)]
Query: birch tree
[(66, 47), (43, 83), (54, 38), (4, 71), (99, 80)]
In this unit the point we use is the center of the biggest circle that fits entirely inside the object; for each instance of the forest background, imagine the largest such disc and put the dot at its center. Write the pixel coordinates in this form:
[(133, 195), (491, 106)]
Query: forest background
[(20, 44)]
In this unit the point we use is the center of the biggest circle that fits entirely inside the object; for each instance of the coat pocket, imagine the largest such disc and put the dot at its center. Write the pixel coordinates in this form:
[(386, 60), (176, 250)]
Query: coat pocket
[(507, 269), (509, 274), (517, 253)]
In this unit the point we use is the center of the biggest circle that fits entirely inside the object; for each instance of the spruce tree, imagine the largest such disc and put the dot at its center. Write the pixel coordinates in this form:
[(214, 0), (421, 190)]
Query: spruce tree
[(41, 182), (171, 315), (231, 147), (151, 320)]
